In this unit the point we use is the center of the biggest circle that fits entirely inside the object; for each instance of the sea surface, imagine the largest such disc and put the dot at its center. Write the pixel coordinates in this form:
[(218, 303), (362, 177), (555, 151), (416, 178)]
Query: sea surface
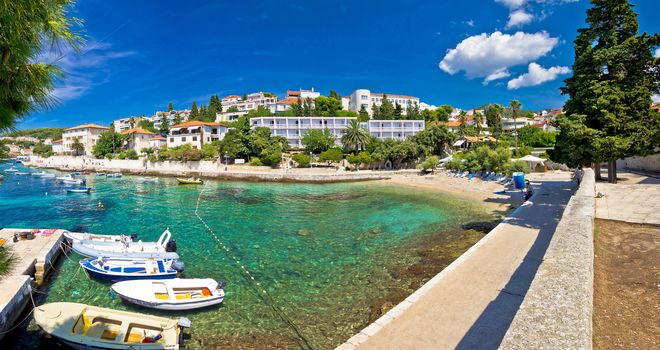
[(329, 259)]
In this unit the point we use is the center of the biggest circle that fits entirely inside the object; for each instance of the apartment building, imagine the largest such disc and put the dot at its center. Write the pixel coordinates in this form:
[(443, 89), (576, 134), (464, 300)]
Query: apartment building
[(196, 133), (87, 134), (171, 116), (58, 147), (251, 102), (365, 98), (394, 129), (293, 128), (157, 141), (124, 124), (509, 125), (139, 138), (303, 94)]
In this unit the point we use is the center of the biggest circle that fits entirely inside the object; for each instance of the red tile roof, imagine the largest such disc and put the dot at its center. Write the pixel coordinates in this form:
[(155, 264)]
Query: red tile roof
[(454, 123), (196, 123), (231, 96), (137, 130), (288, 100), (87, 126), (158, 137), (58, 141)]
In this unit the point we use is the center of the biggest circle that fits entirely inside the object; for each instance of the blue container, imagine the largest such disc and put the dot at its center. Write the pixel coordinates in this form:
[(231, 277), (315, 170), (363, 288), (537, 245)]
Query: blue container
[(519, 180)]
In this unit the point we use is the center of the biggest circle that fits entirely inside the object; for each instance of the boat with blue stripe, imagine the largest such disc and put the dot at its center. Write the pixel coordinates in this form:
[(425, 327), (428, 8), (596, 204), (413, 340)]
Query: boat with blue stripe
[(124, 269)]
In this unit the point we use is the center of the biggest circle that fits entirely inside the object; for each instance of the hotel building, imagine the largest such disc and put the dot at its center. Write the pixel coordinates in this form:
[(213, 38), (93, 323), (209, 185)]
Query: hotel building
[(87, 134), (139, 138), (252, 101), (394, 129), (365, 98), (196, 133)]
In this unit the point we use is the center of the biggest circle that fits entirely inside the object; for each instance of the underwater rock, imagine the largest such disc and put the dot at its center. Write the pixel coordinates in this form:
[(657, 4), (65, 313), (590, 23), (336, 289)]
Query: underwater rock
[(303, 232)]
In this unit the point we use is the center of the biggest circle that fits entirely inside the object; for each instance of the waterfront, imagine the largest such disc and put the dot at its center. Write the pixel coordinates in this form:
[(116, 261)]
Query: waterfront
[(334, 257)]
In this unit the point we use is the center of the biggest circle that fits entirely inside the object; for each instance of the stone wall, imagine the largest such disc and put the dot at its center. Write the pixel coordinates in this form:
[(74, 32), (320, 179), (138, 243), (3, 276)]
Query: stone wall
[(557, 310), (648, 163)]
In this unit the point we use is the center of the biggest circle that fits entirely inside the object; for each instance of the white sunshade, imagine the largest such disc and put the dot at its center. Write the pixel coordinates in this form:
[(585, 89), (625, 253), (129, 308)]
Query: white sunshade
[(531, 158), (459, 143)]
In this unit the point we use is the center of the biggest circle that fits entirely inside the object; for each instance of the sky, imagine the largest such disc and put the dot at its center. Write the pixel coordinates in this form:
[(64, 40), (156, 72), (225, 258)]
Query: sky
[(140, 55)]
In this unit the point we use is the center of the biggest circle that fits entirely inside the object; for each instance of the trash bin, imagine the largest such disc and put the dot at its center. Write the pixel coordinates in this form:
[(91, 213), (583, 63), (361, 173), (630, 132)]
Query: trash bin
[(519, 180)]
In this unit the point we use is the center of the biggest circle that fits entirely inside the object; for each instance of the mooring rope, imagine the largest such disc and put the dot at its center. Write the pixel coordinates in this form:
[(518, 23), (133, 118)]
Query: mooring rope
[(262, 291)]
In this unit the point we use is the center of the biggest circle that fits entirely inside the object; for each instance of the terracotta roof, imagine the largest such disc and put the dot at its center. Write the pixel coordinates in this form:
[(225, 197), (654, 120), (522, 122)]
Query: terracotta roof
[(479, 139), (87, 126), (393, 96), (158, 137), (292, 93), (231, 96), (196, 123), (137, 130), (454, 123), (288, 100), (58, 141)]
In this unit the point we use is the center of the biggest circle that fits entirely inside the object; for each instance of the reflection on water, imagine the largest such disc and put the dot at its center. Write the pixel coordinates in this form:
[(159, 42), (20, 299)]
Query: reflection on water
[(334, 257)]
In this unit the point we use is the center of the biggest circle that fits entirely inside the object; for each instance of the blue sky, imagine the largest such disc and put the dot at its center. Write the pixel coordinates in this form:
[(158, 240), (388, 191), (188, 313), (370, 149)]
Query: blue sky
[(140, 55)]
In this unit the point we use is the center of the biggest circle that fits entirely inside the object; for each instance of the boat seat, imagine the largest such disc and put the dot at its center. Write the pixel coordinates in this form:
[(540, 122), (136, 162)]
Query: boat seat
[(162, 296)]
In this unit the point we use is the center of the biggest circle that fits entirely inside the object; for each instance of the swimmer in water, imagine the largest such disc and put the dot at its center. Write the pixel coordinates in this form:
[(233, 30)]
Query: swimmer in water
[(101, 205)]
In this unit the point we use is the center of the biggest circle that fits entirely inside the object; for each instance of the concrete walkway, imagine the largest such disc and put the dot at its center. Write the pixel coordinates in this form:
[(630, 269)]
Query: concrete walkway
[(471, 303), (635, 198)]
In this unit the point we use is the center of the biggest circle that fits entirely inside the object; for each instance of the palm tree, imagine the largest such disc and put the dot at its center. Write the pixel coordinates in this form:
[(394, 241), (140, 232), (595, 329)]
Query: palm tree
[(462, 118), (515, 109), (478, 120), (77, 147), (356, 136)]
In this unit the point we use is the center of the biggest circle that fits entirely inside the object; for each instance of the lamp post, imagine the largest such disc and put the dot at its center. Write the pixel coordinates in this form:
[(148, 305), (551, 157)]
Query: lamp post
[(310, 160), (226, 161)]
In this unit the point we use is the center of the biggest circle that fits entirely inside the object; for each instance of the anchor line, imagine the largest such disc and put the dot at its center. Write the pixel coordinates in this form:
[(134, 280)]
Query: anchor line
[(258, 287)]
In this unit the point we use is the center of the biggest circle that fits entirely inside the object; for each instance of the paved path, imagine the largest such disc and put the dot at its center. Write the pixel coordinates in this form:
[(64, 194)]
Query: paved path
[(635, 198), (471, 304)]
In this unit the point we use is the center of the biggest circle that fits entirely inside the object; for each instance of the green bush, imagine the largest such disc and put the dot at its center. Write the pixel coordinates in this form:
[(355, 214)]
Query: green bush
[(272, 159), (430, 163), (131, 154), (302, 159), (455, 164), (332, 155), (517, 166), (255, 161)]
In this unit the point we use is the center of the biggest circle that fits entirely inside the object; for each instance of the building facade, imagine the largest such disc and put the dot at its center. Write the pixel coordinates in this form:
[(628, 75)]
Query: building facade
[(58, 148), (124, 124), (87, 134), (195, 133), (252, 101), (365, 98), (294, 128), (509, 125), (139, 138), (157, 142)]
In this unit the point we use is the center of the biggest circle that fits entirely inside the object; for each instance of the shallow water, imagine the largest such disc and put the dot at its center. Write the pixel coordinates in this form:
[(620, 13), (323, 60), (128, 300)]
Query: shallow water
[(333, 257)]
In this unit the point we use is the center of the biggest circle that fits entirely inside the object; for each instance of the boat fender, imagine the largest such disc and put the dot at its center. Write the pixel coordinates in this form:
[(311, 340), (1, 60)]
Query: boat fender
[(178, 265), (221, 284), (171, 246)]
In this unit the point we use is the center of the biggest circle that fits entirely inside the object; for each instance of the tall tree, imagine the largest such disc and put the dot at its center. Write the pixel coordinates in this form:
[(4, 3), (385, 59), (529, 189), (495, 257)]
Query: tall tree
[(169, 107), (165, 125), (356, 136), (317, 141), (386, 109), (398, 111), (297, 108), (27, 29), (412, 112), (462, 128), (478, 121), (375, 111), (334, 94), (614, 77), (194, 112), (363, 114), (244, 98), (77, 147), (131, 122), (177, 119), (494, 119), (515, 109), (443, 112)]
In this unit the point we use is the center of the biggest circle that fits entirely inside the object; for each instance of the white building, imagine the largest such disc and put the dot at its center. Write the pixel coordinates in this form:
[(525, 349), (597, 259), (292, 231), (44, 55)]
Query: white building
[(87, 134), (365, 98), (196, 133), (229, 116), (123, 124), (139, 138), (394, 129), (171, 116), (509, 125), (251, 102), (293, 128), (303, 94), (58, 147), (157, 142)]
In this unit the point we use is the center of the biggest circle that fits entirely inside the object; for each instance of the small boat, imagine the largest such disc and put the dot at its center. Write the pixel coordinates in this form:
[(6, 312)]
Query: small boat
[(81, 236), (189, 181), (125, 269), (11, 170), (163, 249), (48, 176), (114, 175), (82, 326), (75, 174), (86, 172), (79, 190), (148, 179), (71, 180), (39, 174), (101, 174), (172, 294), (22, 173)]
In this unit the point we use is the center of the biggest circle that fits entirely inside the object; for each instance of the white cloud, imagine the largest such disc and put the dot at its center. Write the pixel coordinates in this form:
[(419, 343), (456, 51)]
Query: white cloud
[(82, 69), (655, 98), (536, 75), (500, 74), (486, 54), (512, 4), (470, 23), (518, 18), (657, 52)]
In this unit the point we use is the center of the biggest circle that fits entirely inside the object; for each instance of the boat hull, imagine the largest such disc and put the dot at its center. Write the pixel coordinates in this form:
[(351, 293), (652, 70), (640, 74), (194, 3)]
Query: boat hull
[(162, 268), (174, 306), (189, 182), (82, 249), (174, 294)]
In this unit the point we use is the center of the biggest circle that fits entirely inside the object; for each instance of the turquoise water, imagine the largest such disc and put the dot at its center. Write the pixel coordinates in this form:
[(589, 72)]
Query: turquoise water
[(325, 253)]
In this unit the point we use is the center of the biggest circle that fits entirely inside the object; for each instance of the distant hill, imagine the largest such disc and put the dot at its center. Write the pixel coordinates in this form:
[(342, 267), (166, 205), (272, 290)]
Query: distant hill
[(40, 133)]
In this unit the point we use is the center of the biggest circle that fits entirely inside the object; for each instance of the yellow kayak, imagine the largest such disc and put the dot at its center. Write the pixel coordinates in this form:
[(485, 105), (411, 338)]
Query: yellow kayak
[(189, 181)]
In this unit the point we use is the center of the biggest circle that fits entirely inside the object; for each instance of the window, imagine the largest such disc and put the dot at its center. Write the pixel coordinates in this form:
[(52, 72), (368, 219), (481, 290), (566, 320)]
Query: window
[(194, 138), (183, 139), (171, 139), (364, 97), (215, 131)]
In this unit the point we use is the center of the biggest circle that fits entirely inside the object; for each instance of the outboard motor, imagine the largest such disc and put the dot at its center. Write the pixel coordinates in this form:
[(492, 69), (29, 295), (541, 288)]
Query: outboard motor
[(171, 246), (133, 236), (178, 265)]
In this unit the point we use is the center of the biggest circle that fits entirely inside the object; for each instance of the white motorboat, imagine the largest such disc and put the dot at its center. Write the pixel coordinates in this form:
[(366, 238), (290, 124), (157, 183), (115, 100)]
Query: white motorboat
[(148, 179), (163, 249), (85, 236), (48, 176), (39, 174), (84, 326), (114, 175), (125, 269), (79, 190), (11, 170), (172, 294), (70, 180)]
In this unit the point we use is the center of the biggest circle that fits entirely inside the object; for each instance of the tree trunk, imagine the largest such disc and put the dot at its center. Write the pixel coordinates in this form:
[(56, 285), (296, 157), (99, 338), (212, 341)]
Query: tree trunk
[(596, 167), (611, 171)]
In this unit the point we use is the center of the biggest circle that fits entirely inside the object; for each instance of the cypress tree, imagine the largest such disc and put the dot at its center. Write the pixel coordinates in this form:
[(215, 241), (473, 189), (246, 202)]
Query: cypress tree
[(614, 77), (194, 113), (169, 107)]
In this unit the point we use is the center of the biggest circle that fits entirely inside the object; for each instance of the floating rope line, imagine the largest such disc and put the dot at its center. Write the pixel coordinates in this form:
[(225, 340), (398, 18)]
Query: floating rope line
[(263, 293)]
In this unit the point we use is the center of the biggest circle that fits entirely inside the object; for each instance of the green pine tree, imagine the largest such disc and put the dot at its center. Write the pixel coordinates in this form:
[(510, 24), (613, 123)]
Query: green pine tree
[(386, 109), (194, 112), (363, 114), (398, 111), (169, 107)]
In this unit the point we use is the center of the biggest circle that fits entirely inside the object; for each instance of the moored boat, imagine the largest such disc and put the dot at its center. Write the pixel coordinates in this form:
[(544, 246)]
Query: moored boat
[(114, 175), (124, 269), (163, 249), (189, 181), (148, 179), (172, 294), (80, 236), (48, 176), (21, 173), (84, 326), (101, 174), (39, 174), (11, 170), (79, 190)]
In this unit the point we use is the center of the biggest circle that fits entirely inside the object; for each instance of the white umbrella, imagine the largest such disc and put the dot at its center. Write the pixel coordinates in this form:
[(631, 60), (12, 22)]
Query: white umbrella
[(532, 161)]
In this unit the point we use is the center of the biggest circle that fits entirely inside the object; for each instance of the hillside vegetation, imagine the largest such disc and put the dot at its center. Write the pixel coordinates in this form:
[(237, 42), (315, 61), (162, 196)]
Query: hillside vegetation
[(40, 133)]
